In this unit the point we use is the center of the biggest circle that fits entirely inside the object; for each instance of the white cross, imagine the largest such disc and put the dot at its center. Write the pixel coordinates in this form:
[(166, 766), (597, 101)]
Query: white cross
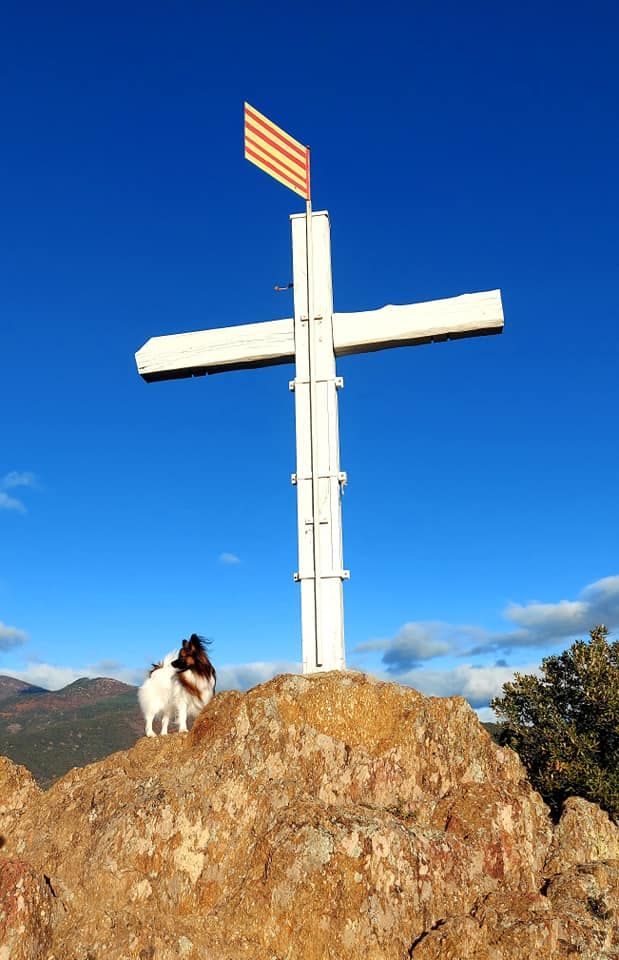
[(313, 339)]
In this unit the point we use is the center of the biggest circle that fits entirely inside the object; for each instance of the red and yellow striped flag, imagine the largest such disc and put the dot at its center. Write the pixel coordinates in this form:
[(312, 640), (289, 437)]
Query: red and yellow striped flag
[(276, 152)]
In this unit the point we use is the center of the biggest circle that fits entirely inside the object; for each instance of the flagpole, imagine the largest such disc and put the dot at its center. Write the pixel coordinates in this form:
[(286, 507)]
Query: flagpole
[(314, 419)]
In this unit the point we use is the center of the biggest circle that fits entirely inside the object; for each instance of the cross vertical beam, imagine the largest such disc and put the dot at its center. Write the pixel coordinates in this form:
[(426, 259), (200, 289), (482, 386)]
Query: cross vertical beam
[(318, 477)]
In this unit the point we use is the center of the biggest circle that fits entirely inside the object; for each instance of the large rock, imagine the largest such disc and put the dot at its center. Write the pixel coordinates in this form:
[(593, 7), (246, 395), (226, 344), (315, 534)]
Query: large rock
[(323, 817)]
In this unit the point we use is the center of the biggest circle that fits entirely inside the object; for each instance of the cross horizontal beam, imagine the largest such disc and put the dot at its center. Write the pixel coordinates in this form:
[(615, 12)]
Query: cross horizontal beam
[(272, 341)]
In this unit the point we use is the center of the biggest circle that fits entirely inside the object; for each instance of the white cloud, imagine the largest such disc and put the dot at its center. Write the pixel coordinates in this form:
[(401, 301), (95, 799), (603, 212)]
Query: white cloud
[(477, 684), (11, 636), (239, 676), (11, 503), (228, 559), (17, 478), (565, 617), (242, 676), (608, 586), (548, 624), (417, 642), (11, 480), (486, 715), (603, 600), (539, 625), (551, 624), (412, 644)]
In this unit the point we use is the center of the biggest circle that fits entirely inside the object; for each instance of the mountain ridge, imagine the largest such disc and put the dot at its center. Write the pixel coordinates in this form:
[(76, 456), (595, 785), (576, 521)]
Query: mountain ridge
[(13, 687), (52, 731)]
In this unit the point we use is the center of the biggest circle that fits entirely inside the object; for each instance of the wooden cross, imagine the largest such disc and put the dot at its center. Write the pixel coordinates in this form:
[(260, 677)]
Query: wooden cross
[(312, 340)]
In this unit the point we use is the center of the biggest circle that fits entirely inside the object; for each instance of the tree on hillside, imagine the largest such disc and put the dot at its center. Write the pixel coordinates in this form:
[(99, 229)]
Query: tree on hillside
[(564, 724)]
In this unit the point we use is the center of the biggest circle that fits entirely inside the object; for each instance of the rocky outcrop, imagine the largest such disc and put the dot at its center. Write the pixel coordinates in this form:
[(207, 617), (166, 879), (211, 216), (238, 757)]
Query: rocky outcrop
[(314, 817)]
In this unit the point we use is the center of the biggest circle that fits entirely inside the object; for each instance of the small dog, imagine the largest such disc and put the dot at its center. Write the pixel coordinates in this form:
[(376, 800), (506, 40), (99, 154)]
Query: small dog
[(182, 684)]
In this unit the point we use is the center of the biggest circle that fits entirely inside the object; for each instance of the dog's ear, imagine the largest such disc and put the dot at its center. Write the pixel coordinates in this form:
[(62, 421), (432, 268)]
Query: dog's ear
[(185, 644), (199, 642)]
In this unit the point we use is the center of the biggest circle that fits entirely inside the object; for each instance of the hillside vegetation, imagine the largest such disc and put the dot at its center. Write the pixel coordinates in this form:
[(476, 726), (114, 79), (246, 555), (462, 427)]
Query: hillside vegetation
[(51, 732)]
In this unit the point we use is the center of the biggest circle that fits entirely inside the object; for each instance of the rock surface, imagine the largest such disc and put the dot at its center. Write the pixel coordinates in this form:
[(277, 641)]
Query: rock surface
[(317, 817), (25, 912), (583, 834)]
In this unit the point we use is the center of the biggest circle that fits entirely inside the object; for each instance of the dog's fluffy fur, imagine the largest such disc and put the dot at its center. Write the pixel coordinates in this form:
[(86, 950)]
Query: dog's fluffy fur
[(179, 686)]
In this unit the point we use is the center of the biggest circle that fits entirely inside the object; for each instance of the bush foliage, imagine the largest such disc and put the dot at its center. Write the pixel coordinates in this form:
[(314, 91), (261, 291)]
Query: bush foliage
[(564, 724)]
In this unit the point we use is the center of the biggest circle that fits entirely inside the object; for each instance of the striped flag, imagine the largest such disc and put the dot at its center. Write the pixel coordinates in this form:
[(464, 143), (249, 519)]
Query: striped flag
[(276, 152)]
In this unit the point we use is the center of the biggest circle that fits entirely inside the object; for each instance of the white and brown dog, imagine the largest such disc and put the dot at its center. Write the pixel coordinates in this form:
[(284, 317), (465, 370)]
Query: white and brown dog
[(180, 686)]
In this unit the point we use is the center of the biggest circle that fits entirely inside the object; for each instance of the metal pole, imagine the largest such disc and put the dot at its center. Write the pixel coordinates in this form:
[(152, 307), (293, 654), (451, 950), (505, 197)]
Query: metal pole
[(314, 435)]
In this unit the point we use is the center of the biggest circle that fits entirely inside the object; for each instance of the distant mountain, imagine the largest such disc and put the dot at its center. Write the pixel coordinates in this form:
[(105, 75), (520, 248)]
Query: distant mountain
[(11, 687), (78, 694), (50, 732)]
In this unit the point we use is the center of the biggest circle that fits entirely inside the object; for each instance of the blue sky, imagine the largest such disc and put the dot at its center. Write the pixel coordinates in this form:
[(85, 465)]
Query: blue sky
[(457, 149)]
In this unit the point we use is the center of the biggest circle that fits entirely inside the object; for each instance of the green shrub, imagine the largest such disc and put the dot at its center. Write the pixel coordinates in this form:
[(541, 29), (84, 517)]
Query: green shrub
[(564, 724)]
